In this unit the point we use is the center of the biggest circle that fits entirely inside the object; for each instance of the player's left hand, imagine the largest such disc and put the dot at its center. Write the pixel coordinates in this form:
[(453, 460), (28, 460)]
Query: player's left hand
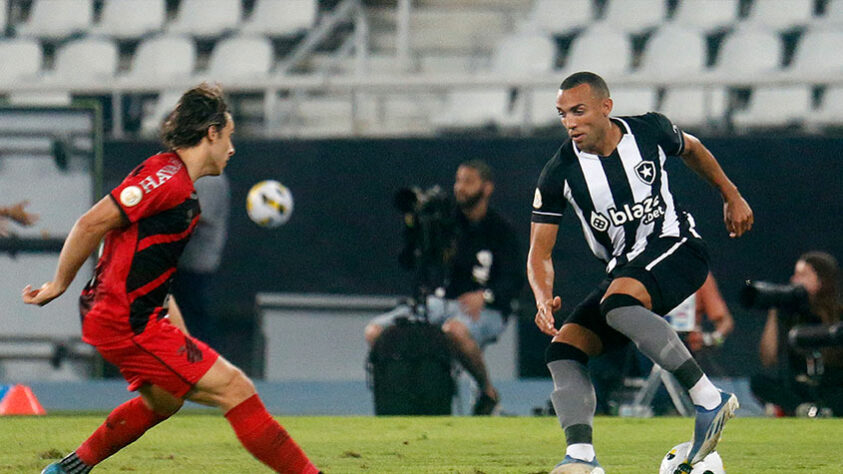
[(737, 215), (472, 304), (41, 296)]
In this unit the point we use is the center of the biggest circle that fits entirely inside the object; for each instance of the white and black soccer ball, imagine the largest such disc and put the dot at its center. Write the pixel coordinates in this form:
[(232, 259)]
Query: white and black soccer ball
[(269, 204), (712, 464), (578, 468)]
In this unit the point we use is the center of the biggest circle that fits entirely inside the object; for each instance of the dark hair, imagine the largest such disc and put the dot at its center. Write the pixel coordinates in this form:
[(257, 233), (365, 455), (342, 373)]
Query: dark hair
[(826, 301), (482, 168), (198, 109), (597, 84)]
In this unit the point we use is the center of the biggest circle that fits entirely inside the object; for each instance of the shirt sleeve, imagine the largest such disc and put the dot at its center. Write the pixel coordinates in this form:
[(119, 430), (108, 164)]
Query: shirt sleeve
[(507, 275), (149, 189), (669, 136), (549, 200)]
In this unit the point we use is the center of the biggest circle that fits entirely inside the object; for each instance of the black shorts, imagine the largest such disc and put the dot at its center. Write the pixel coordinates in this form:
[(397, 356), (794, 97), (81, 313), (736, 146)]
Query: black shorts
[(671, 269)]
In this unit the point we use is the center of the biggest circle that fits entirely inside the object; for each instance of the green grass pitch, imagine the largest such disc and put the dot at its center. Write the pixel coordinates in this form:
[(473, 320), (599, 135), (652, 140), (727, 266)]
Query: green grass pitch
[(204, 443)]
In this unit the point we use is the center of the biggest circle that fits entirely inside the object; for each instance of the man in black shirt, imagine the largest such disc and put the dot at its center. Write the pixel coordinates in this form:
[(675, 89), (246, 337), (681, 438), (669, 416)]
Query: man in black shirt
[(484, 278)]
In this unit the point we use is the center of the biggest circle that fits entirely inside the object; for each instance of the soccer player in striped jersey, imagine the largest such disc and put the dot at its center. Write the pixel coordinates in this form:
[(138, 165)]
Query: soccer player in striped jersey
[(146, 222), (611, 174)]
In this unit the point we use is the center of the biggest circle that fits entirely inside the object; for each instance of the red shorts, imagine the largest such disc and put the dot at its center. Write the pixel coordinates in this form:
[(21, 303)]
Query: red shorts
[(161, 355)]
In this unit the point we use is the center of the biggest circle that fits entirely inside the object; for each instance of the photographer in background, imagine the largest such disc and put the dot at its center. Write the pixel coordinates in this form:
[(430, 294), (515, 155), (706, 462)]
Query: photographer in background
[(817, 273), (481, 279)]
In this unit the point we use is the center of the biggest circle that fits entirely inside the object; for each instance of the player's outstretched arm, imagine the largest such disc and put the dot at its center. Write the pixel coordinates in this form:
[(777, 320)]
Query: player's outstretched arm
[(82, 240), (737, 214), (540, 274)]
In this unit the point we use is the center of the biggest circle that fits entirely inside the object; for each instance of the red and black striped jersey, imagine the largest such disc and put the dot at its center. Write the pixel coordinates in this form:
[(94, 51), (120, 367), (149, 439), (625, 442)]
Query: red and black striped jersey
[(133, 275)]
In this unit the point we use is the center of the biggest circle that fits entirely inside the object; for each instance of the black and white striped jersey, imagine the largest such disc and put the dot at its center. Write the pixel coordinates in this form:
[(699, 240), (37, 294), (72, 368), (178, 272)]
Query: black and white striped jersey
[(623, 201)]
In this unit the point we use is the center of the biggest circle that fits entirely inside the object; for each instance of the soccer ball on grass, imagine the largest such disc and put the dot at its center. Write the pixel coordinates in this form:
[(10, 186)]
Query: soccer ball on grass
[(712, 464), (269, 204)]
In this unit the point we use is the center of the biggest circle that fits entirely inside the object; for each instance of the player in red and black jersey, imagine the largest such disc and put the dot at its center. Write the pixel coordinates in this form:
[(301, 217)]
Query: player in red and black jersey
[(146, 222)]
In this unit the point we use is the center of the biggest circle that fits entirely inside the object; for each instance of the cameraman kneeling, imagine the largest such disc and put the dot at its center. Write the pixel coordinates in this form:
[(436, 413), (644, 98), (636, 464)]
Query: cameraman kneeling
[(483, 277), (817, 273)]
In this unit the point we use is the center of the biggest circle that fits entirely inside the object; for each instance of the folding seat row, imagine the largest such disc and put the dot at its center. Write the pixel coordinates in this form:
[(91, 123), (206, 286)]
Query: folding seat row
[(132, 19)]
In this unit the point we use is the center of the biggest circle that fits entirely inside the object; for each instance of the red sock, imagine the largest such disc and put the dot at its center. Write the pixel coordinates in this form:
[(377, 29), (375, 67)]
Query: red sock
[(266, 439), (125, 424)]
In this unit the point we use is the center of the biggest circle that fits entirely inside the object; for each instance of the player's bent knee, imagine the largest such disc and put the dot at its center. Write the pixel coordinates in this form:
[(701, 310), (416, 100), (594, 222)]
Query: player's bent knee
[(564, 351), (456, 330), (618, 300)]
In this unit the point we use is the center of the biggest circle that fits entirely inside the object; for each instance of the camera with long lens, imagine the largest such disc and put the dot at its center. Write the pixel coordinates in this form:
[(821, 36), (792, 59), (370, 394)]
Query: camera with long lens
[(764, 295), (816, 336), (429, 235)]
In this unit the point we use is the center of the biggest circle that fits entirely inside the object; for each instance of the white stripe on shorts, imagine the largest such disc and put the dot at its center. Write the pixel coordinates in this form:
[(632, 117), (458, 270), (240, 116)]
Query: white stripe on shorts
[(666, 254)]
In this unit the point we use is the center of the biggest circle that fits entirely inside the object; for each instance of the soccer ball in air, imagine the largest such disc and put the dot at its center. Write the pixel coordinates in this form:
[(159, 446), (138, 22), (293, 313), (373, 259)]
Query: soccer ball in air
[(269, 204), (712, 464)]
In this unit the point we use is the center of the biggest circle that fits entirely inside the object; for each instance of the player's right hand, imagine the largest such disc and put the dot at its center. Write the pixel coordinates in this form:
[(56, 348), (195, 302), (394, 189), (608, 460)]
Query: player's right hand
[(544, 315), (41, 296)]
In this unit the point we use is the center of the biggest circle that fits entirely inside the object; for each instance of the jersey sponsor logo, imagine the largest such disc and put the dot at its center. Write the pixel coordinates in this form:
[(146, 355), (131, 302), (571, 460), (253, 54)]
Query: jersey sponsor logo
[(599, 222), (537, 199), (130, 196), (161, 176), (648, 210), (646, 171)]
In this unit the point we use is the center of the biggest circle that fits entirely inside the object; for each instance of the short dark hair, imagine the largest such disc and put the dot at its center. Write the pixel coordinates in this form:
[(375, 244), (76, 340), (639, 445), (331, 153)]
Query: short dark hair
[(596, 82), (198, 109), (482, 168)]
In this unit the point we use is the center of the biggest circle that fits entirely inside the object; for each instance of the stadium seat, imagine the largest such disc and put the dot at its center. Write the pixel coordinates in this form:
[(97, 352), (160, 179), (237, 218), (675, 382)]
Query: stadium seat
[(86, 61), (448, 63), (155, 112), (21, 59), (774, 106), (281, 18), (748, 52), (131, 19), (707, 15), (57, 19), (163, 58), (673, 52), (692, 107), (780, 14), (476, 107), (634, 17), (818, 55), (542, 107), (206, 18), (830, 111), (325, 116), (524, 54), (600, 49), (4, 8), (633, 100), (559, 17), (241, 57), (833, 14)]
